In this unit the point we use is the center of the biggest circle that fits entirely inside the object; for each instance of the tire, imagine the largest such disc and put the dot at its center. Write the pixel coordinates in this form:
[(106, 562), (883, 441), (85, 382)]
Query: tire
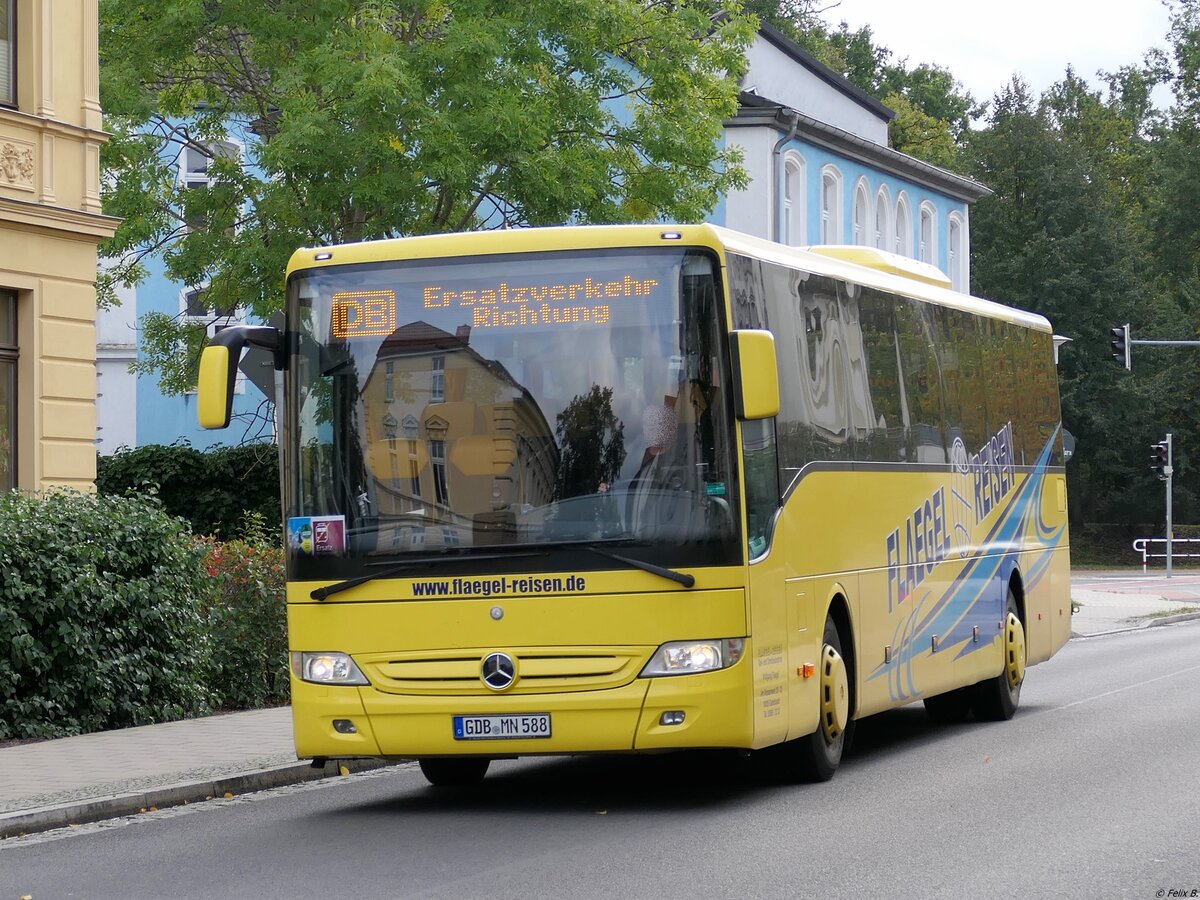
[(950, 708), (816, 757), (996, 699), (454, 772)]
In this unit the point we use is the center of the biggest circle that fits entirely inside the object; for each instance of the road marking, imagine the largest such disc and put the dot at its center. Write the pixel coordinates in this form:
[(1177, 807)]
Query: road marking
[(1119, 690)]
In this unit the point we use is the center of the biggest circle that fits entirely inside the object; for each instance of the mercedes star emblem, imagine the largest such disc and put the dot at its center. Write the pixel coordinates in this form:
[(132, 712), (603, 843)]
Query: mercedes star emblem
[(498, 671)]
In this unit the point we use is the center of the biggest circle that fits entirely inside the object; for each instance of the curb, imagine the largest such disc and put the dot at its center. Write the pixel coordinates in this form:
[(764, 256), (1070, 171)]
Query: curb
[(1153, 623), (28, 821)]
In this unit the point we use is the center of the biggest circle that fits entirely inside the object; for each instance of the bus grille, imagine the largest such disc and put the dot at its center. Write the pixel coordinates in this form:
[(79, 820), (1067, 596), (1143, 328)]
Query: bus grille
[(539, 670)]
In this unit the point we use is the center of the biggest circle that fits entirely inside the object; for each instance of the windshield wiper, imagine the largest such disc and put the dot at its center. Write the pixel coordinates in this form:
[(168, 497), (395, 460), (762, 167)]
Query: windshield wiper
[(322, 592), (680, 577)]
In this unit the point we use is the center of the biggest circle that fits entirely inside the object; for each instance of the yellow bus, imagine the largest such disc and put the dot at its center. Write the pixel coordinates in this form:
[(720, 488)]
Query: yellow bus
[(631, 489)]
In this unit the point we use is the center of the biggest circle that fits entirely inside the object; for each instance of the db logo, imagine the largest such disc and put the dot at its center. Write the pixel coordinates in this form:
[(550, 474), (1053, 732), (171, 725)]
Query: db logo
[(363, 313)]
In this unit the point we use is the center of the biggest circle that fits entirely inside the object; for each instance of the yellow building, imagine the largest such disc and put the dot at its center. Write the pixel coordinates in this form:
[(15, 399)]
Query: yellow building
[(50, 224), (429, 390)]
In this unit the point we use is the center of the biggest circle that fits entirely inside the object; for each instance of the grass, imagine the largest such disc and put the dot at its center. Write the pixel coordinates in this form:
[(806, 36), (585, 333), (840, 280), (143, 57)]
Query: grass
[(1167, 613)]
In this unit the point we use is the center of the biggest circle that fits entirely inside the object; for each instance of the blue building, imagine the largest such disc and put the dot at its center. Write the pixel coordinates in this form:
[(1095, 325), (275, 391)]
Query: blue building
[(131, 410), (816, 149), (821, 172)]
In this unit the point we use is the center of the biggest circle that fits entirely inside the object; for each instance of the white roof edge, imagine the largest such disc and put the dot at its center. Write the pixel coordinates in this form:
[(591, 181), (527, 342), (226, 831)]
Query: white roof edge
[(819, 264)]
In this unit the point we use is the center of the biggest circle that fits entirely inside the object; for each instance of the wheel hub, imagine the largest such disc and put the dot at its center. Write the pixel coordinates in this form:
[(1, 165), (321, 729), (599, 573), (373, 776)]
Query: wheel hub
[(835, 694), (1014, 650)]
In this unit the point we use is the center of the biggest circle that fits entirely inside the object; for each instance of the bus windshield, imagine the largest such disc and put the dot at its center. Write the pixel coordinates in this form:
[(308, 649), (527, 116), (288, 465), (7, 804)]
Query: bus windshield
[(526, 401)]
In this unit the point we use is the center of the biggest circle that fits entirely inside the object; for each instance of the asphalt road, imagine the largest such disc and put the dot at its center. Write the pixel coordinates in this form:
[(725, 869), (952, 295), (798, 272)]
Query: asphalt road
[(1093, 790)]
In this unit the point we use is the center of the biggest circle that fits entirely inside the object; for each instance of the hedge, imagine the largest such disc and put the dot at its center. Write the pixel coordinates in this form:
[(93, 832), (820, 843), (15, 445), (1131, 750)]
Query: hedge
[(214, 490), (101, 626), (246, 620)]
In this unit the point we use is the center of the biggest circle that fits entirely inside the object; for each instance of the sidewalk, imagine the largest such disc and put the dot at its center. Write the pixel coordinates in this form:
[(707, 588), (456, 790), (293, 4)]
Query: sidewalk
[(69, 781), (51, 784), (1109, 601)]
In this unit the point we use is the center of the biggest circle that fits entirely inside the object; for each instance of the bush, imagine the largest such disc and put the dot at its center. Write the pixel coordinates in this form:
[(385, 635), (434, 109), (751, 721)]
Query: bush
[(100, 615), (213, 490), (246, 616)]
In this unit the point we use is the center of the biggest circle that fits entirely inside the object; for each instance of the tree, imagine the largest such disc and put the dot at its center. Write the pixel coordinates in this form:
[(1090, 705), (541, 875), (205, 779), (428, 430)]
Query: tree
[(1061, 236), (592, 441), (363, 119)]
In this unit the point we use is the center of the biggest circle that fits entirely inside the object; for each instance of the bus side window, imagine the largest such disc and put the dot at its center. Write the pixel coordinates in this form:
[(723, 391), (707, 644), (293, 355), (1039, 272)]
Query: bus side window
[(762, 483)]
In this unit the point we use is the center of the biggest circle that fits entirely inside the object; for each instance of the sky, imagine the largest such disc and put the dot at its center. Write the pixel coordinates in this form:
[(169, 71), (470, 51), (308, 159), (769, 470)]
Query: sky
[(984, 43)]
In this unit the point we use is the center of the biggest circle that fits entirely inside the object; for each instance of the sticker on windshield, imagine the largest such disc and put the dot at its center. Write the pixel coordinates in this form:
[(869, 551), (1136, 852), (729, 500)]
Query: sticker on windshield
[(317, 535)]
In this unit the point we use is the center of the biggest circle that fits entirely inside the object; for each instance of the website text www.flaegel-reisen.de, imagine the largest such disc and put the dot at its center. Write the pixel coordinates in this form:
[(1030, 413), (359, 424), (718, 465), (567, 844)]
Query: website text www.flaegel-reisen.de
[(488, 587)]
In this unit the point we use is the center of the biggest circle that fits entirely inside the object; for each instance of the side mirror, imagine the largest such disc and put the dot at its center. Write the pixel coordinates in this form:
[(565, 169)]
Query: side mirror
[(755, 374), (218, 369)]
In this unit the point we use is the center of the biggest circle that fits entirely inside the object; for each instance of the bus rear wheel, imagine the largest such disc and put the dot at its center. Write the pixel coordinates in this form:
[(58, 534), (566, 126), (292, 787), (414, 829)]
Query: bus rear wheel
[(454, 772), (996, 699)]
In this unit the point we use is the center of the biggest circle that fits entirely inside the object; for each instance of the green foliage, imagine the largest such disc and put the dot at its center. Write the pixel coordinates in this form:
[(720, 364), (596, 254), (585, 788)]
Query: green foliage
[(919, 134), (213, 490), (100, 615), (246, 619), (367, 119)]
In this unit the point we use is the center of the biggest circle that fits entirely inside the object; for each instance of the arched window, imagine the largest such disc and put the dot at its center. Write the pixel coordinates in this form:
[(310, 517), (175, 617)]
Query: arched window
[(793, 200), (831, 206), (904, 227), (883, 209), (928, 250), (956, 253), (863, 233)]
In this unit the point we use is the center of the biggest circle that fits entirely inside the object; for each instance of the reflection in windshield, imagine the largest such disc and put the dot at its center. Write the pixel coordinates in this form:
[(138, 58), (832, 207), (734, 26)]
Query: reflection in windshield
[(509, 400)]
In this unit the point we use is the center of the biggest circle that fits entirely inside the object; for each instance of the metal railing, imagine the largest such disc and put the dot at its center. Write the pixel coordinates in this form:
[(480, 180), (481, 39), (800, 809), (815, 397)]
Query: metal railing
[(1142, 546)]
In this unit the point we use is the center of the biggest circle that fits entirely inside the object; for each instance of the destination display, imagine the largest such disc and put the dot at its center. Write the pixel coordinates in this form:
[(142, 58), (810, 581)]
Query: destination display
[(503, 304)]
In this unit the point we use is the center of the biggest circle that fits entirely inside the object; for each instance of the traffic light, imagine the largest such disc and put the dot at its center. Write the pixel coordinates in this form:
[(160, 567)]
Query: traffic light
[(1120, 345), (1160, 458)]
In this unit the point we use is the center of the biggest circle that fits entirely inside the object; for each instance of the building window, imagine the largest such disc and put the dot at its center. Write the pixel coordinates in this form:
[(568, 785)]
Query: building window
[(831, 206), (389, 382), (956, 254), (8, 54), (883, 208), (437, 386), (793, 200), (195, 309), (198, 174), (8, 390), (437, 455), (411, 432), (928, 250), (904, 229), (863, 234)]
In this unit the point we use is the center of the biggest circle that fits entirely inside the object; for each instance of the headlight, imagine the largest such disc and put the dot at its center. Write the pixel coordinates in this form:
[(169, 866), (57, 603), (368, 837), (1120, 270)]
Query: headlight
[(327, 668), (689, 657)]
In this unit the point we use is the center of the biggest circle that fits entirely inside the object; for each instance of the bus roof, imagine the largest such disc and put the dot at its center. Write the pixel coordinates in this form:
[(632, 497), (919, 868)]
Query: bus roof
[(872, 268)]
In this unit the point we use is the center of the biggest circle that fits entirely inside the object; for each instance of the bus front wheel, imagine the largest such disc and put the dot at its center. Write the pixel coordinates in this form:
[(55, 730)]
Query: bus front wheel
[(996, 699), (454, 772), (815, 757)]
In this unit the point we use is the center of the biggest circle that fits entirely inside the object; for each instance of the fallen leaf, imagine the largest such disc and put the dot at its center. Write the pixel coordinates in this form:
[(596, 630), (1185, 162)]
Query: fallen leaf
[(228, 795), (987, 758), (343, 770)]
